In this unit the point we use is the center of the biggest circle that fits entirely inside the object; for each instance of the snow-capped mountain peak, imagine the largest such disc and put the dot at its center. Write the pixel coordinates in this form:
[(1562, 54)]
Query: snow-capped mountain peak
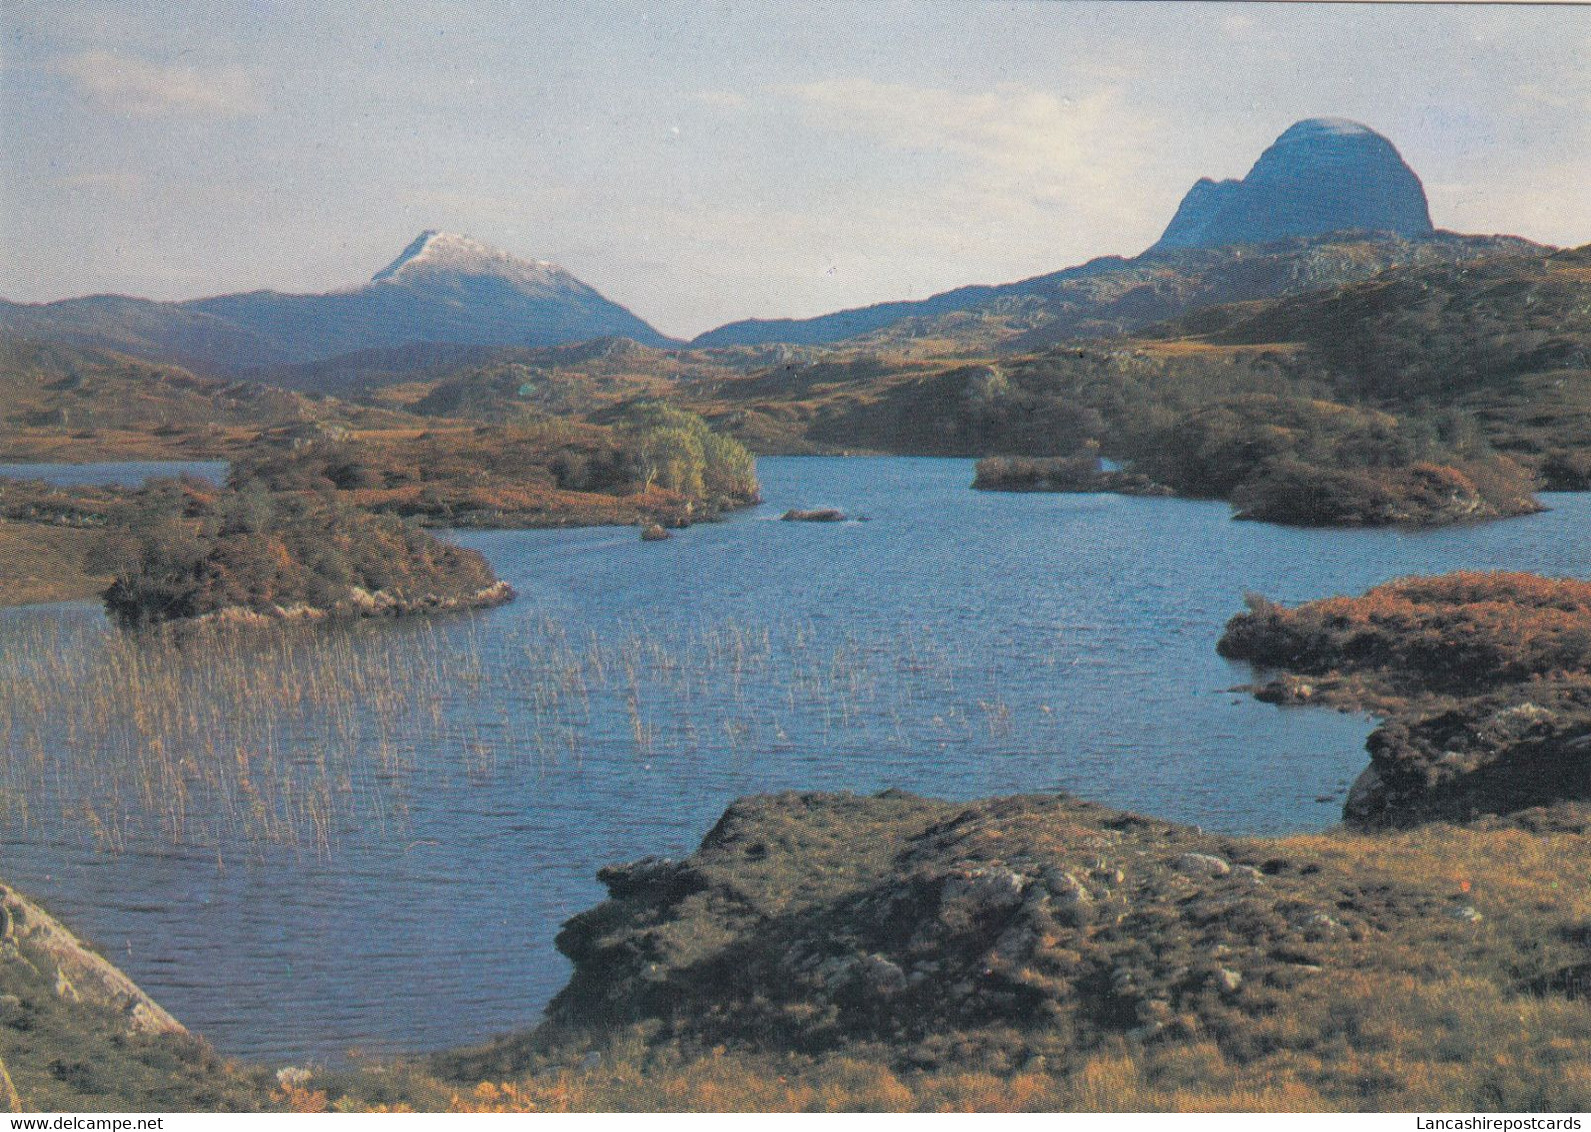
[(436, 253)]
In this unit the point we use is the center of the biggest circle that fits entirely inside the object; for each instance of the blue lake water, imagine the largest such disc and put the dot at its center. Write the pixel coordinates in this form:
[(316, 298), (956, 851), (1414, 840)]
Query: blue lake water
[(957, 644), (131, 473)]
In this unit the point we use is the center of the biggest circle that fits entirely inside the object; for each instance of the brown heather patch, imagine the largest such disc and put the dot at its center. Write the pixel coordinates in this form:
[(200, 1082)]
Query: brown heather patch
[(44, 563), (1460, 632), (1483, 679)]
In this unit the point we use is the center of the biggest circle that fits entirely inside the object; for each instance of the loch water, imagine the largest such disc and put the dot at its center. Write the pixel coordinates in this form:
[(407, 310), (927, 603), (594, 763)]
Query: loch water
[(128, 473), (957, 644)]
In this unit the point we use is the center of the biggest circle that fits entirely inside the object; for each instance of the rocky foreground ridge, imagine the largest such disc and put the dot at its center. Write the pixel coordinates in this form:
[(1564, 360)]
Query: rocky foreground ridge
[(1041, 951), (1039, 912), (31, 936)]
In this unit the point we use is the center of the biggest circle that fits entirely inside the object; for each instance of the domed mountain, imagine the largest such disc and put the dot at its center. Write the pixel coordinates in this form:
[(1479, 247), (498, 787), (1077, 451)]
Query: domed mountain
[(443, 288), (1322, 175)]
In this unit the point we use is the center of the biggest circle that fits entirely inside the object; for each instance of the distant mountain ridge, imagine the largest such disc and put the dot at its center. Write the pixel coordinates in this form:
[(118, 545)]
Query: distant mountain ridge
[(107, 400), (443, 288), (1321, 179), (1113, 295)]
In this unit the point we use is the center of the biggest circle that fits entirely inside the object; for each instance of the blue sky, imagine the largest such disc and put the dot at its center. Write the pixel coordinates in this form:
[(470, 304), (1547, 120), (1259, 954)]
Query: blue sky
[(701, 162)]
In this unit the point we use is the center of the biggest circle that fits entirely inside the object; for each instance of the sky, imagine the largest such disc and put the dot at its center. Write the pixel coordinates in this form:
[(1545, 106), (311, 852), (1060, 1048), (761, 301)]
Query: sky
[(707, 161)]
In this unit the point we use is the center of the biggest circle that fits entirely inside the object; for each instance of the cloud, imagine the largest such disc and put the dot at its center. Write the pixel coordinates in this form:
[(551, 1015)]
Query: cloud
[(720, 99), (1017, 155), (1238, 24), (119, 183), (127, 84)]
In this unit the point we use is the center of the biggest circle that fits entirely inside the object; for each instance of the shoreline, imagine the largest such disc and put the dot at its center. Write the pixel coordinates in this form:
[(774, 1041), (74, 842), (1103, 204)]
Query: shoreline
[(1051, 932)]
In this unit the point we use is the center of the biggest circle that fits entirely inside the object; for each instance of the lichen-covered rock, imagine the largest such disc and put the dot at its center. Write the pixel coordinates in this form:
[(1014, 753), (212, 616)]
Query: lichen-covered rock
[(1201, 865), (808, 922)]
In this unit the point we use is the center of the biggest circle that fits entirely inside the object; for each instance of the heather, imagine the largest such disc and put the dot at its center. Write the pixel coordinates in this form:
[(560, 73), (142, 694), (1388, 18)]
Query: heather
[(1482, 680)]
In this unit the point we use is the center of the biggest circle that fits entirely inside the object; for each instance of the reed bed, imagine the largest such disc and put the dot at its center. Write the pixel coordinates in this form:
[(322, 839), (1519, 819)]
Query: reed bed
[(299, 737)]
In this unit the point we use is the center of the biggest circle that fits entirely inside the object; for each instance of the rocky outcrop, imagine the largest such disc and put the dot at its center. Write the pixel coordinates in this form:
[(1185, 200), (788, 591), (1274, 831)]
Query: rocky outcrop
[(811, 922), (876, 953), (360, 602), (1483, 680), (1322, 175), (1420, 495), (1492, 755), (31, 936)]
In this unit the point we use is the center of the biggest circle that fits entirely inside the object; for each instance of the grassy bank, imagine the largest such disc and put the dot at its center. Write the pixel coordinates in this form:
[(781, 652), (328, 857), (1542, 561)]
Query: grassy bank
[(77, 1035), (43, 563)]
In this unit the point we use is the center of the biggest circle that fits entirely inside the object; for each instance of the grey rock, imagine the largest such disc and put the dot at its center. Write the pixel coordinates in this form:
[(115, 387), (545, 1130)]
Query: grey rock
[(1147, 1032), (1201, 865), (836, 970), (1016, 944), (1367, 796), (1069, 901), (1318, 921), (650, 876), (982, 891), (883, 975)]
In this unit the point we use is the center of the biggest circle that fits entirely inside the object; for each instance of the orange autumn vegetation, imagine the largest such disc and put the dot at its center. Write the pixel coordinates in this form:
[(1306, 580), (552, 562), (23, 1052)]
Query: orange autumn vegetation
[(655, 465), (1462, 632), (730, 1083)]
